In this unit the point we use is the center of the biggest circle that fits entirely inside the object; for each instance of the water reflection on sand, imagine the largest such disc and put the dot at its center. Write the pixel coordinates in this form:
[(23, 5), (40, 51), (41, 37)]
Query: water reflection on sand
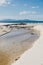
[(13, 44)]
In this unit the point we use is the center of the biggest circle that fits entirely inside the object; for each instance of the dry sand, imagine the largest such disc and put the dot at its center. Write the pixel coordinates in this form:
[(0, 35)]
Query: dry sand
[(4, 29)]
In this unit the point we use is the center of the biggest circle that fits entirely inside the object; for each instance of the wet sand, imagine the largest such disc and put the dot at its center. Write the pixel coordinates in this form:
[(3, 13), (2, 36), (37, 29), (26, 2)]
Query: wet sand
[(15, 43)]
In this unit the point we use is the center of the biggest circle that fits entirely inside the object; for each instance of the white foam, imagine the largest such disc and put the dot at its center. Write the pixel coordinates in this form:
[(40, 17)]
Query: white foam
[(5, 23)]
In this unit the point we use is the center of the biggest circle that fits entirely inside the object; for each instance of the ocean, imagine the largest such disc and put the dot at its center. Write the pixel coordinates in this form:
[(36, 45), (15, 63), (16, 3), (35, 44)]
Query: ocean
[(20, 21)]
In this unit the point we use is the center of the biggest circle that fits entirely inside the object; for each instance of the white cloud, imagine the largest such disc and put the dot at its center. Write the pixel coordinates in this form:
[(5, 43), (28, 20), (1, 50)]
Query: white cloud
[(4, 2), (35, 6), (27, 12), (24, 12)]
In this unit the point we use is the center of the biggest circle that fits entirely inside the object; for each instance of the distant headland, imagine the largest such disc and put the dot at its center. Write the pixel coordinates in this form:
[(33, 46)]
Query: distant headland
[(20, 21)]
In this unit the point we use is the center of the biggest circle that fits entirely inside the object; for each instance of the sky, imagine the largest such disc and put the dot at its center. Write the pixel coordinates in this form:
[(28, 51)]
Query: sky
[(21, 9)]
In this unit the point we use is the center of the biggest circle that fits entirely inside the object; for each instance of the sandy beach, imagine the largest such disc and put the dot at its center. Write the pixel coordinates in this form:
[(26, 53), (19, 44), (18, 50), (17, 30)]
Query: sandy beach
[(16, 43), (34, 55)]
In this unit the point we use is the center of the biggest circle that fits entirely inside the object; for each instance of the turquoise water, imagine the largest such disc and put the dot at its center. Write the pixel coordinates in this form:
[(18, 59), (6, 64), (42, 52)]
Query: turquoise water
[(22, 22)]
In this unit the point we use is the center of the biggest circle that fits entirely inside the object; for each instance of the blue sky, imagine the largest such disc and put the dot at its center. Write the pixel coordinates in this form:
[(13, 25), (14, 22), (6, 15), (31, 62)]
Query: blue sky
[(21, 9)]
